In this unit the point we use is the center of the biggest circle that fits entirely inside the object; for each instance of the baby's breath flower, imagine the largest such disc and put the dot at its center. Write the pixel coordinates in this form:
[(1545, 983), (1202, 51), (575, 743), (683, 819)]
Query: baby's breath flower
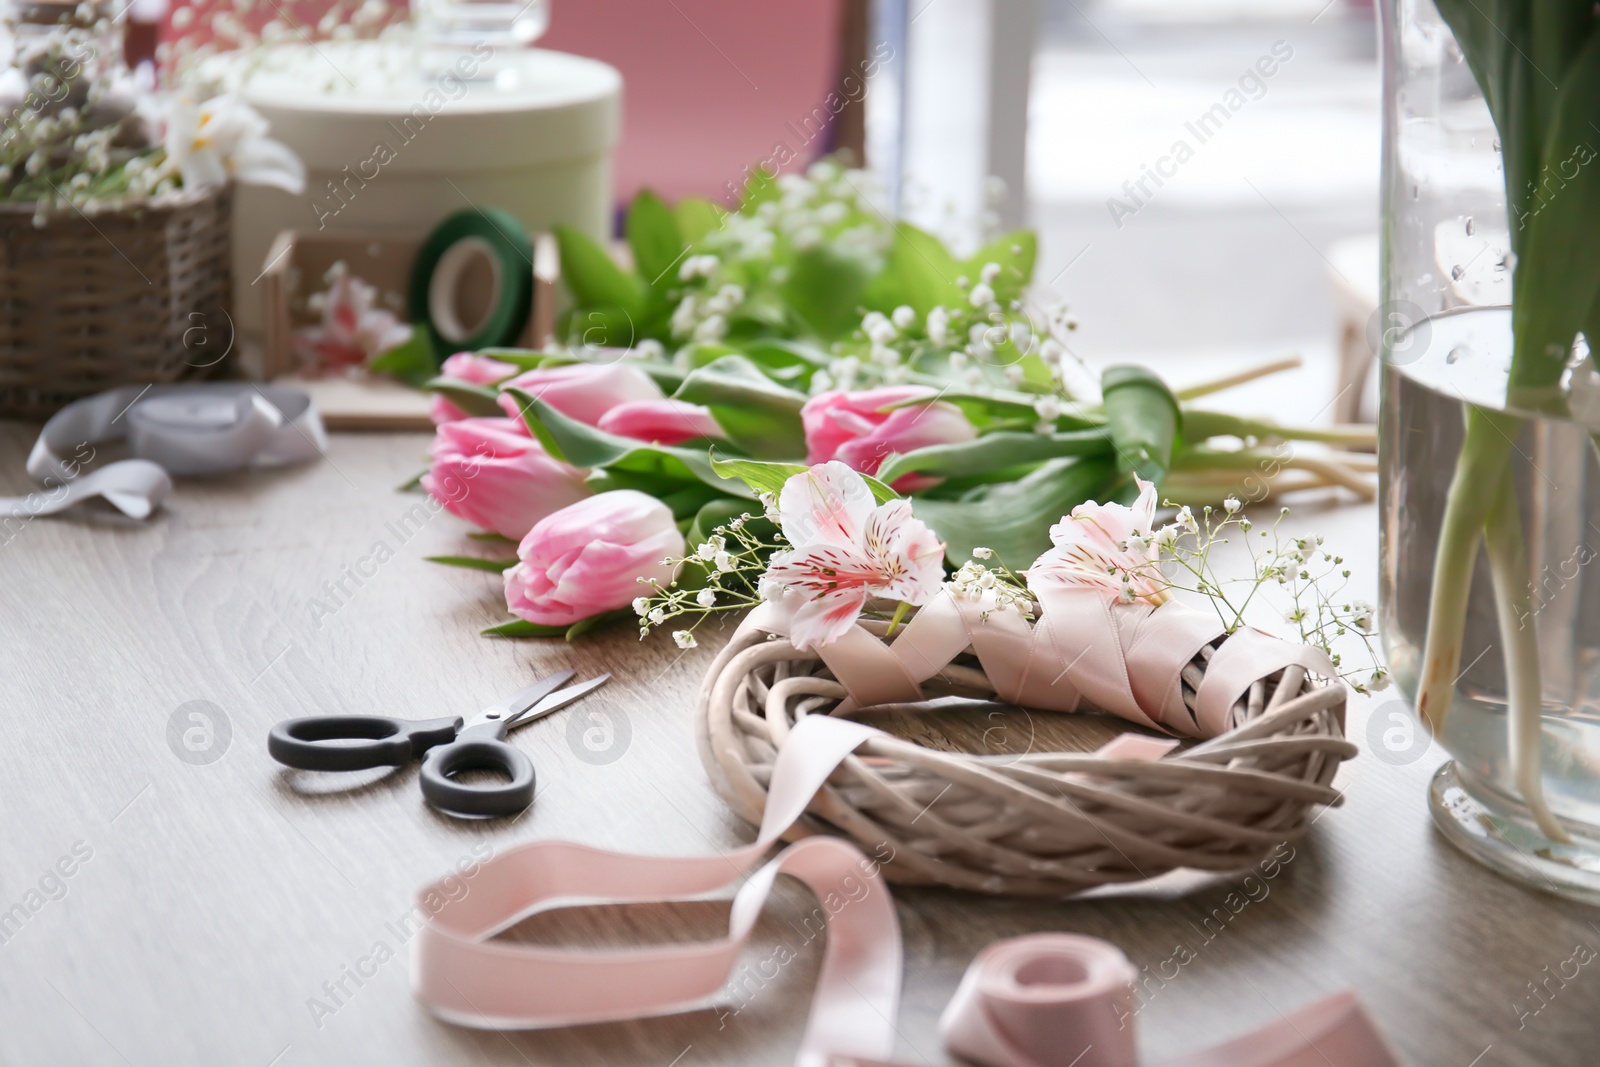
[(711, 330), (684, 639), (878, 328), (706, 598)]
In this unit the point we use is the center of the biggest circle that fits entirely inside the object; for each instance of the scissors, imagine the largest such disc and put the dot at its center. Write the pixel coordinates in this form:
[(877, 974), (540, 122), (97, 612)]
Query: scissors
[(447, 746)]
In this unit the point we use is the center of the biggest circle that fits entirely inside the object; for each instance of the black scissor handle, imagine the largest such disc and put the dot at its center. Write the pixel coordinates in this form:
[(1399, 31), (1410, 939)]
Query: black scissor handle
[(442, 764), (371, 741)]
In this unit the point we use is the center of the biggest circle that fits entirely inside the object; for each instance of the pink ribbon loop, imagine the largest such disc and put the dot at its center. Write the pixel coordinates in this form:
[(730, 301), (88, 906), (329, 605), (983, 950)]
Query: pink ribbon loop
[(467, 978), (1036, 1001)]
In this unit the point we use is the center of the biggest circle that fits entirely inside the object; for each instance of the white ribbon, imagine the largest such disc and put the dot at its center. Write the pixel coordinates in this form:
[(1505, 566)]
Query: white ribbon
[(203, 428)]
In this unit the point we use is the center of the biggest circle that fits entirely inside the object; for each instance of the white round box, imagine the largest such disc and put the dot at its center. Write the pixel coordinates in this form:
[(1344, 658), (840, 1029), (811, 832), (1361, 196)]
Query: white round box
[(396, 137)]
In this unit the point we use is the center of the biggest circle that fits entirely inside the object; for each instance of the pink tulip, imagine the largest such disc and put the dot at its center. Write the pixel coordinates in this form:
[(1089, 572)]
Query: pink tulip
[(663, 422), (587, 558), (851, 428), (582, 391), (470, 368), (493, 474)]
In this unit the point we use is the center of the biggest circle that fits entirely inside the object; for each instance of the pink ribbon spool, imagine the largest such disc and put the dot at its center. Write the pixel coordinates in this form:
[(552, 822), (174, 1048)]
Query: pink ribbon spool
[(1042, 1000)]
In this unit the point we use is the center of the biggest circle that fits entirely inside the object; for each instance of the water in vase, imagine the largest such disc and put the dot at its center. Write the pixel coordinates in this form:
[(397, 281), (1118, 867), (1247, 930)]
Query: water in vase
[(1439, 366)]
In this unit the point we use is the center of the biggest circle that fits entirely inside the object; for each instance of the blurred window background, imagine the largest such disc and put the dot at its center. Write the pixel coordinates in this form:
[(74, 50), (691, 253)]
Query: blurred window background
[(1194, 209)]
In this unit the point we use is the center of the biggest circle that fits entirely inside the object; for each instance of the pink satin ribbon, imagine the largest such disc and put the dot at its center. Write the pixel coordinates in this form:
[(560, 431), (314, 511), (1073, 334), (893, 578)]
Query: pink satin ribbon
[(1084, 649), (1031, 1002)]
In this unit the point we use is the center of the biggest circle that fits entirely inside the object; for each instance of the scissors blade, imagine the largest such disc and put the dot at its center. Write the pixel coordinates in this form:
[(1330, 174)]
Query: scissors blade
[(514, 705), (560, 699)]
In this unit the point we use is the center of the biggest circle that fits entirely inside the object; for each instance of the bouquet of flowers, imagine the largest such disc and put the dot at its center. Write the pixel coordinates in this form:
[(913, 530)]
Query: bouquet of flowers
[(807, 328)]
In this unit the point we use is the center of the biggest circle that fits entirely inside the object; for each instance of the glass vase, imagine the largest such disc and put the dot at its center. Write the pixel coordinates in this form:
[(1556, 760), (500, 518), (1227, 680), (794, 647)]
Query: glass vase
[(1444, 333)]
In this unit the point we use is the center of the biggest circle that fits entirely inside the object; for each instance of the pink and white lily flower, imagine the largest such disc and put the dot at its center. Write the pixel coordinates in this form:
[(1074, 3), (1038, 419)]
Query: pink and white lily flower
[(1105, 546), (847, 551)]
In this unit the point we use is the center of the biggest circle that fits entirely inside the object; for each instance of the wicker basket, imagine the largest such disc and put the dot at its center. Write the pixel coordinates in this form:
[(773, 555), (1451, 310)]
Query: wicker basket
[(90, 302), (1039, 823)]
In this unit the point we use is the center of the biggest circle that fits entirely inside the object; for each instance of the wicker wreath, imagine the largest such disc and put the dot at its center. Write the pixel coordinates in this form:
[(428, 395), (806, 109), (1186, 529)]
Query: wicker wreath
[(1042, 823)]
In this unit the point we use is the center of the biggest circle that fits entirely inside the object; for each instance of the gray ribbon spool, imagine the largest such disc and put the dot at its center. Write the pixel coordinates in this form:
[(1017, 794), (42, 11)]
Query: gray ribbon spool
[(208, 428)]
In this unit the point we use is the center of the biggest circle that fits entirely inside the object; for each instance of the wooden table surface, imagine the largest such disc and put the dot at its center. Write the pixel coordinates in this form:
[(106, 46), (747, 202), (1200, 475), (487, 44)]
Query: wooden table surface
[(222, 910)]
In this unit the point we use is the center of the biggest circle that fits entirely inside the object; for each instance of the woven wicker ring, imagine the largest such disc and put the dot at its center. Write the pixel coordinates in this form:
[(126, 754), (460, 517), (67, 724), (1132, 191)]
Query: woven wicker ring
[(1040, 823)]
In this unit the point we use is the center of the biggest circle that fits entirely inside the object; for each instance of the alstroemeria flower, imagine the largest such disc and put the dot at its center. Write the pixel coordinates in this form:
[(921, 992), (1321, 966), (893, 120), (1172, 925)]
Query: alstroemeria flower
[(353, 328), (1104, 546), (846, 551)]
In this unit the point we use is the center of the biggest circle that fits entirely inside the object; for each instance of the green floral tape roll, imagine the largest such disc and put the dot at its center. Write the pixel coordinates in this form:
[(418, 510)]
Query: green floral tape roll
[(472, 284)]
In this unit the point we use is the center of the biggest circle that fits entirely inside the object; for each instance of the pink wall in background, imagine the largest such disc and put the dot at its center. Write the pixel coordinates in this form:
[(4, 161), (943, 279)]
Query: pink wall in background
[(710, 86)]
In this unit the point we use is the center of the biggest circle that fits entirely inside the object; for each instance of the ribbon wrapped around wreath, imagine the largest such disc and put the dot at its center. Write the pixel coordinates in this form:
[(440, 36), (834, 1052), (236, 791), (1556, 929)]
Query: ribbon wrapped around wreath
[(1086, 650), (1040, 823)]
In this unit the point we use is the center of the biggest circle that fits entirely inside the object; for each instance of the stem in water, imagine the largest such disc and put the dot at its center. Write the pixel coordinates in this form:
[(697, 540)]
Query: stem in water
[(1485, 451), (1508, 567)]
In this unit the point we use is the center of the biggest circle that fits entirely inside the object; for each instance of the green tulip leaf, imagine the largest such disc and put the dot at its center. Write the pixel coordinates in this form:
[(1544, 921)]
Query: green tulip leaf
[(593, 278), (769, 477), (825, 289), (1144, 420), (992, 452), (476, 400), (1014, 518), (697, 217), (523, 628), (656, 240), (473, 563), (595, 622), (759, 416), (921, 273), (585, 446), (413, 360)]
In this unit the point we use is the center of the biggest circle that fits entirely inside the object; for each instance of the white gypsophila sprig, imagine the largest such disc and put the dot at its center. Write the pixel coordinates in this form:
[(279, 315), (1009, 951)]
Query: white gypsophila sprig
[(1294, 579), (722, 573)]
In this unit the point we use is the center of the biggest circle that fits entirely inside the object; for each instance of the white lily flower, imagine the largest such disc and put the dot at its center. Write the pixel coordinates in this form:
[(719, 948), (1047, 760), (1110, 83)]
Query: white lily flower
[(226, 138)]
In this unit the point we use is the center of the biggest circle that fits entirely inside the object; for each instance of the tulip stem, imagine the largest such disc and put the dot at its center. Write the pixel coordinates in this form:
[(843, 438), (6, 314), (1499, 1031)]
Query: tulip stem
[(1485, 452), (1249, 374), (1508, 567)]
